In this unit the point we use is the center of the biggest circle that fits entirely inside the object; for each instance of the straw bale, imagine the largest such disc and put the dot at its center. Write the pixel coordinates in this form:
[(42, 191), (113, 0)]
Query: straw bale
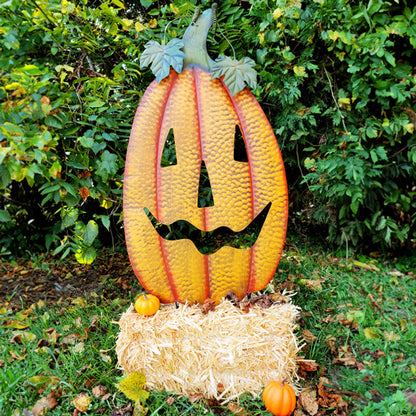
[(221, 354)]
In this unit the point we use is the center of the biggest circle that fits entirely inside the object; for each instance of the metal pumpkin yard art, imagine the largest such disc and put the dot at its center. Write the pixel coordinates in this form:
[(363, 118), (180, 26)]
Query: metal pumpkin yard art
[(199, 109)]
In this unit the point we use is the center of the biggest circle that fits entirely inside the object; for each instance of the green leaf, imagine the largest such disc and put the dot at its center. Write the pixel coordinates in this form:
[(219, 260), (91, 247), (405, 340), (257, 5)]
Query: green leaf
[(12, 129), (4, 216), (162, 57), (132, 387), (107, 166), (69, 218), (86, 256), (3, 153), (76, 165), (146, 3), (90, 233), (237, 74), (105, 219)]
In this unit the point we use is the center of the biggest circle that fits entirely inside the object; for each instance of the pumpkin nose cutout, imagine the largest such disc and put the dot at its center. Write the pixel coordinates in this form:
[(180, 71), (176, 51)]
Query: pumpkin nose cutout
[(205, 197)]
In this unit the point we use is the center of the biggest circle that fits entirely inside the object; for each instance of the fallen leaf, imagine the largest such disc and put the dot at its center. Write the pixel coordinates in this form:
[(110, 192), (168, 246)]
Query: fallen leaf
[(106, 358), (235, 409), (366, 266), (19, 337), (15, 324), (308, 336), (15, 356), (315, 284), (82, 401), (170, 400), (370, 333), (346, 358), (328, 398), (43, 380), (99, 391), (69, 339), (139, 409), (307, 401), (79, 302), (78, 348), (123, 411), (308, 365), (132, 387), (391, 336), (207, 306), (45, 404)]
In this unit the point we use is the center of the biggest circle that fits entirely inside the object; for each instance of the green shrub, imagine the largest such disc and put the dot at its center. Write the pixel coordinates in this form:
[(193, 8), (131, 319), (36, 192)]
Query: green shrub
[(336, 79)]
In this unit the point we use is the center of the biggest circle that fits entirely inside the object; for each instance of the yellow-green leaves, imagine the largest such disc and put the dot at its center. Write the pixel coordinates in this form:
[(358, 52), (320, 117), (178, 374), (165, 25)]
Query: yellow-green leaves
[(133, 387)]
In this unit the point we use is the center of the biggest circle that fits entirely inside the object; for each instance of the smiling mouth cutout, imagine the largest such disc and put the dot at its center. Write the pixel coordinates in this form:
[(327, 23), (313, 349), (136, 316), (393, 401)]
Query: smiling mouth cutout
[(208, 242)]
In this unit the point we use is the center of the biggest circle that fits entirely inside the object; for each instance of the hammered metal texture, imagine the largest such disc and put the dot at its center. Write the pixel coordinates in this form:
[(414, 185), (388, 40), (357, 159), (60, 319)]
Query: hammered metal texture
[(203, 117)]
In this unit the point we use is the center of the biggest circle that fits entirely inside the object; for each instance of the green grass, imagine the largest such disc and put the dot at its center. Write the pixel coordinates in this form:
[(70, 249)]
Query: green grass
[(362, 309)]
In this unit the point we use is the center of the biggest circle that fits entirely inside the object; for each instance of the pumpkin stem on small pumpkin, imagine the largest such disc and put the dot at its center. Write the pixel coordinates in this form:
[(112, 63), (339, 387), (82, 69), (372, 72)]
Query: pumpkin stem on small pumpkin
[(195, 40), (283, 382)]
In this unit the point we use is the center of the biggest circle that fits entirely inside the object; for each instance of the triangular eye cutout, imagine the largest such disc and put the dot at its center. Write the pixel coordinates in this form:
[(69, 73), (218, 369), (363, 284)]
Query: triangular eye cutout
[(205, 197), (169, 151), (240, 150)]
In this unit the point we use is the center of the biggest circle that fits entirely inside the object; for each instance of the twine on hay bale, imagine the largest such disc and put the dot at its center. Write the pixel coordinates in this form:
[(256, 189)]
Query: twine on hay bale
[(221, 354)]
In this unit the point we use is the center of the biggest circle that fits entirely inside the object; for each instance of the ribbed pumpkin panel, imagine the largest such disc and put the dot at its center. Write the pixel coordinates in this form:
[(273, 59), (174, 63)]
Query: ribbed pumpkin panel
[(268, 185), (144, 244), (177, 189)]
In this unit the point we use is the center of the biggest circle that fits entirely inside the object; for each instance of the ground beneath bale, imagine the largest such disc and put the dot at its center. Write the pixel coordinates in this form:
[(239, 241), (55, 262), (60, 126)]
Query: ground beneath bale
[(25, 282)]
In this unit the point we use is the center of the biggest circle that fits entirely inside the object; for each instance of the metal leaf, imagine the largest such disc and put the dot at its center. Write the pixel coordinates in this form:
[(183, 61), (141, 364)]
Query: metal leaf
[(237, 74), (162, 57)]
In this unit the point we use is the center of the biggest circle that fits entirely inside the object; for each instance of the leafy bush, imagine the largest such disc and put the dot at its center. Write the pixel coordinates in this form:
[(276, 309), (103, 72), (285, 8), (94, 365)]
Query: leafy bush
[(336, 79), (339, 78)]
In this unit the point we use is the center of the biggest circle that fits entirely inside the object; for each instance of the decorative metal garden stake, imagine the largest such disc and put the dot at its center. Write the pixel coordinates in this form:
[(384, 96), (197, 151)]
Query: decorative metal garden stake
[(202, 105)]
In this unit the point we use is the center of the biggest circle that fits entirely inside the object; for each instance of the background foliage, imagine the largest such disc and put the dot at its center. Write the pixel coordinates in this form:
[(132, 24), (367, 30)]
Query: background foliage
[(336, 79)]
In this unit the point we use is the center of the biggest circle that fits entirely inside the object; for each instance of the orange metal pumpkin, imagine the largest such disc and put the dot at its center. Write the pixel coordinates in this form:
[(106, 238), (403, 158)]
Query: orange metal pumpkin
[(203, 115), (279, 398)]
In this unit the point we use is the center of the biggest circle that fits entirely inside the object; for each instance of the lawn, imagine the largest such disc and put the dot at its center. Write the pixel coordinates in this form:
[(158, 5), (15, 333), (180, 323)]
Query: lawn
[(357, 325)]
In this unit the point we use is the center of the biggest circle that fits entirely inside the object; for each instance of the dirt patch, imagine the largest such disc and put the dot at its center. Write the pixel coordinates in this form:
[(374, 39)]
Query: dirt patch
[(24, 282)]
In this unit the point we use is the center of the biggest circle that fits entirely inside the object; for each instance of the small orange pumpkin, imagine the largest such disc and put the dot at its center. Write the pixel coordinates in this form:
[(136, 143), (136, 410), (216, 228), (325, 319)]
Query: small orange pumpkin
[(147, 305), (279, 398)]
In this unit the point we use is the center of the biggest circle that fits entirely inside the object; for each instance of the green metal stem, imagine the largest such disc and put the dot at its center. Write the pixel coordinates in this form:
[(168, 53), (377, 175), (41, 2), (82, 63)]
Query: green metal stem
[(195, 40)]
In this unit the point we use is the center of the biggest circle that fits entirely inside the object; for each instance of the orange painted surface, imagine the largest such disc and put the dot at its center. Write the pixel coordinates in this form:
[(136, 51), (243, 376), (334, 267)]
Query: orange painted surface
[(203, 117)]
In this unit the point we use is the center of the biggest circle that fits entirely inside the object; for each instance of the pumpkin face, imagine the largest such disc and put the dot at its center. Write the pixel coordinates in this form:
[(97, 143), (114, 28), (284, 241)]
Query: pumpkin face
[(203, 117), (279, 398), (147, 305)]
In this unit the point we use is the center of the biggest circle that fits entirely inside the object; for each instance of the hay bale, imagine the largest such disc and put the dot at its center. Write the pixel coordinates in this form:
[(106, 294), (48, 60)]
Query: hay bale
[(221, 354)]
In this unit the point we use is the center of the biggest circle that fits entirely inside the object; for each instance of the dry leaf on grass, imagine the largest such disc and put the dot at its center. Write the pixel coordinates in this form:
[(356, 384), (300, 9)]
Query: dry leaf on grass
[(307, 401), (307, 366), (82, 401), (235, 409), (346, 358), (123, 411), (132, 387), (99, 391), (329, 399), (45, 404), (308, 336)]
